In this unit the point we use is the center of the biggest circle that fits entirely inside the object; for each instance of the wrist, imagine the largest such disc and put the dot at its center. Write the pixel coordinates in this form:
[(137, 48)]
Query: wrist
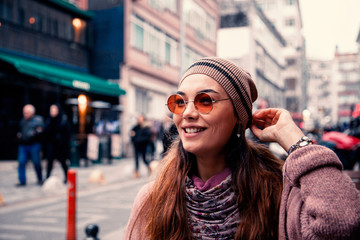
[(288, 137), (302, 142)]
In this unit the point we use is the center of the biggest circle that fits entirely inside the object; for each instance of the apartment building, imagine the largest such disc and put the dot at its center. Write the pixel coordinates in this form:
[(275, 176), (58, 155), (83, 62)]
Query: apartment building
[(285, 15), (334, 88), (248, 38), (158, 40), (347, 79), (321, 93)]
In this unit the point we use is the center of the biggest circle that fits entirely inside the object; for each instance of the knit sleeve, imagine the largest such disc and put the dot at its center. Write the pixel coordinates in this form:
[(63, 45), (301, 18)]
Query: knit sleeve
[(135, 227), (318, 201)]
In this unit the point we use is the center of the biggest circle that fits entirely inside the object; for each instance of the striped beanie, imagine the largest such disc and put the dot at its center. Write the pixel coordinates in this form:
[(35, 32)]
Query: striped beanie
[(236, 82)]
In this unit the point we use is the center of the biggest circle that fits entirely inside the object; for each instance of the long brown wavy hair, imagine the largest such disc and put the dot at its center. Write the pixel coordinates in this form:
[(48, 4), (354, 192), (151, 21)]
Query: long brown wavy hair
[(256, 180)]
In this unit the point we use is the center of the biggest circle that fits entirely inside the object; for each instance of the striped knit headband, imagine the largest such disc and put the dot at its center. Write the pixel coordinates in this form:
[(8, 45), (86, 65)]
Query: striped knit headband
[(236, 82)]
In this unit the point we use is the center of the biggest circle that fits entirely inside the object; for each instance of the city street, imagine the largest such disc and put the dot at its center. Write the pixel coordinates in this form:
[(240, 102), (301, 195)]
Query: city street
[(32, 212)]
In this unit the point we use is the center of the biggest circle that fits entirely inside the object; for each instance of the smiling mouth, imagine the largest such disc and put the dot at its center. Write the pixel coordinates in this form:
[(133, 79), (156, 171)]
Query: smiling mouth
[(193, 130)]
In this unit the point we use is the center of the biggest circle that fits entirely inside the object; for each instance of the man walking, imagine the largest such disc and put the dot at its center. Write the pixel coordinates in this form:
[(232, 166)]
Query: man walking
[(140, 136), (31, 128)]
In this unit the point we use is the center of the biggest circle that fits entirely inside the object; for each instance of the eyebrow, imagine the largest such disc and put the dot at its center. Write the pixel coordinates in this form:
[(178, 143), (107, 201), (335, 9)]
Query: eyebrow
[(202, 91)]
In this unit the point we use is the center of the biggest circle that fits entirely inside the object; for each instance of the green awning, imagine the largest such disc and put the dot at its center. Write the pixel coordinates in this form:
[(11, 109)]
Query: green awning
[(69, 7), (63, 76)]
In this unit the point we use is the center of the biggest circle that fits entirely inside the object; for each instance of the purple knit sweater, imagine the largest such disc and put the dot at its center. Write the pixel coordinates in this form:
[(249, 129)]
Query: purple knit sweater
[(318, 200)]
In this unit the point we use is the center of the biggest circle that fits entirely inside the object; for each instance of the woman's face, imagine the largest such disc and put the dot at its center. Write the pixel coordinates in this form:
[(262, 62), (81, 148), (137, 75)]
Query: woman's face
[(203, 134)]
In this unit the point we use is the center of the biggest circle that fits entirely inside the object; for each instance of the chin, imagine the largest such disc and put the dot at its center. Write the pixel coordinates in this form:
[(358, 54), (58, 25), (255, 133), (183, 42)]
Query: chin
[(190, 148), (196, 150)]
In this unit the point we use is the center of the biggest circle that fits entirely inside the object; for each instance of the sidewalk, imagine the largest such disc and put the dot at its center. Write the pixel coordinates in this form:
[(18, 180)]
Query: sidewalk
[(119, 171)]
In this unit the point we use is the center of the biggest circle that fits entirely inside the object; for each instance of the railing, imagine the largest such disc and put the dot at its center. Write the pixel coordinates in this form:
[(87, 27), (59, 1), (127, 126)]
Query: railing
[(28, 41)]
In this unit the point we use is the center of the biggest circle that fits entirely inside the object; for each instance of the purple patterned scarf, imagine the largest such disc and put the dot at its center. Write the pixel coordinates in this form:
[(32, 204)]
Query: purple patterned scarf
[(213, 214)]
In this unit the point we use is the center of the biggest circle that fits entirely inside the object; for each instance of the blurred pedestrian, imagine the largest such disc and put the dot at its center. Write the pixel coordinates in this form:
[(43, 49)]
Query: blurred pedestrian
[(151, 148), (140, 137), (169, 134), (57, 140), (216, 184), (31, 129)]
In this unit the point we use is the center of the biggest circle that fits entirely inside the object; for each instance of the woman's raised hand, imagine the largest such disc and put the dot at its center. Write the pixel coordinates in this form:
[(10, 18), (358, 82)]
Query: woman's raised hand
[(276, 125)]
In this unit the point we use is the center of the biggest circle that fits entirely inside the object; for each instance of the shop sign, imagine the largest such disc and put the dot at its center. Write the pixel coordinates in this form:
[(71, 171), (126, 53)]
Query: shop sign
[(81, 85)]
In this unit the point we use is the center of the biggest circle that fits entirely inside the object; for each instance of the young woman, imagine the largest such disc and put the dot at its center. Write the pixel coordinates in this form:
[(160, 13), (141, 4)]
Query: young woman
[(215, 184)]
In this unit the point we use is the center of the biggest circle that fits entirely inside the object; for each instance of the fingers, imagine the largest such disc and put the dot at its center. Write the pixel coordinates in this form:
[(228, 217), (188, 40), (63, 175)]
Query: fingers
[(270, 112), (267, 117), (255, 130), (262, 123)]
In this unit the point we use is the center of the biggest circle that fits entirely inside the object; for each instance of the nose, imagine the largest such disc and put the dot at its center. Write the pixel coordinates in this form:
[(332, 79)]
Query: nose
[(190, 111)]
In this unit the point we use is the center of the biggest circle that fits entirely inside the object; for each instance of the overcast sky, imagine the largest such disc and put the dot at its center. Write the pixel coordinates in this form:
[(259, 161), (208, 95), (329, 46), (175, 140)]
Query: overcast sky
[(327, 23)]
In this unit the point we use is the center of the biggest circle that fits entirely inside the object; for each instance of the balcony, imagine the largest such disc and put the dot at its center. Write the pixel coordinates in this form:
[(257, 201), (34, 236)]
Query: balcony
[(15, 38)]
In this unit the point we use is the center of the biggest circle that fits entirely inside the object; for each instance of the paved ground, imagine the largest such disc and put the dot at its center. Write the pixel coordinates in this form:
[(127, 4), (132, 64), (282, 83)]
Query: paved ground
[(32, 212), (119, 171)]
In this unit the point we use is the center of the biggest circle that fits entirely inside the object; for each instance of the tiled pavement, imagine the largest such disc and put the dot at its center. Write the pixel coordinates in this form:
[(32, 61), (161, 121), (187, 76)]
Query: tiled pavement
[(32, 213)]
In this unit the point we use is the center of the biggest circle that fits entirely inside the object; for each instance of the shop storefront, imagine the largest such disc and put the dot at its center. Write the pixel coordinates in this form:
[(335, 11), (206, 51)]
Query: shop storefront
[(24, 81)]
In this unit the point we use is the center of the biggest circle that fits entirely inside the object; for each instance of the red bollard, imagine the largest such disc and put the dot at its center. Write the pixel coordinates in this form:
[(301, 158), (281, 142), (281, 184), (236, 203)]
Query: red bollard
[(71, 223)]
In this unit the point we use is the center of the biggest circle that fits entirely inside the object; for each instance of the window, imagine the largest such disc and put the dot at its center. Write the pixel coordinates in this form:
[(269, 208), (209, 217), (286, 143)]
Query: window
[(139, 37), (291, 104), (167, 52), (39, 22), (290, 61), (161, 5), (8, 11), (54, 27), (323, 65), (289, 2), (203, 24), (155, 47), (48, 26), (1, 8), (68, 31), (142, 101), (160, 47), (289, 22), (137, 33), (290, 84), (21, 16), (171, 51)]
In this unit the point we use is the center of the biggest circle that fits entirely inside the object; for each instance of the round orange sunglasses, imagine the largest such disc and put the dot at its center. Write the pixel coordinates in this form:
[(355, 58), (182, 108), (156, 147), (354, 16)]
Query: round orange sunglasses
[(203, 103)]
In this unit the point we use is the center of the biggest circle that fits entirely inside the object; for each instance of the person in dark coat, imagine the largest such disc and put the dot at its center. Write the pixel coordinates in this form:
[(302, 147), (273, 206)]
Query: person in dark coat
[(168, 137), (31, 130), (57, 139), (140, 137)]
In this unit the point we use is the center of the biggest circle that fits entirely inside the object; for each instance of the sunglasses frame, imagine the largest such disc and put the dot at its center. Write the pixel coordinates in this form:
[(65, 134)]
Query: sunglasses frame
[(186, 102)]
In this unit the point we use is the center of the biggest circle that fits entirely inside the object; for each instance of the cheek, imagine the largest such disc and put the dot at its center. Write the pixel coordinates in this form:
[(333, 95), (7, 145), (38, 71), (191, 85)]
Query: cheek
[(222, 129), (177, 120)]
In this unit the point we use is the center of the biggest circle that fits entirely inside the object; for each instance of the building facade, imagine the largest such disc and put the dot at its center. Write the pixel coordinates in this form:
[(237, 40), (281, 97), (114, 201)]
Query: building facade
[(248, 38), (285, 15), (334, 88), (347, 79), (321, 93), (159, 41), (45, 58)]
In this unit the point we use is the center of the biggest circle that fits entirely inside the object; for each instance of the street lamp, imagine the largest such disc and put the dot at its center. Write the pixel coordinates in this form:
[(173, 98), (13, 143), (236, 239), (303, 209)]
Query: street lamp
[(78, 25), (82, 105)]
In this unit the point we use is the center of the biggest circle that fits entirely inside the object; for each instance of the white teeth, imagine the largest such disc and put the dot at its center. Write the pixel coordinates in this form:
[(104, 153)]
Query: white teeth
[(193, 130)]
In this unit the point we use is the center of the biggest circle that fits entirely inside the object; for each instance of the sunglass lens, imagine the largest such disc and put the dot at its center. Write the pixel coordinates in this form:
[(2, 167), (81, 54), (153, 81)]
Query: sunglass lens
[(176, 104), (203, 103)]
